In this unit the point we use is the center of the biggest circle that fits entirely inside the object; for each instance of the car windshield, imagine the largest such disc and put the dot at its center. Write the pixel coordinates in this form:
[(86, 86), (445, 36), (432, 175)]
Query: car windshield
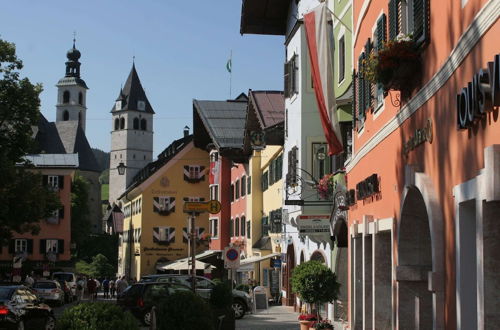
[(68, 277), (44, 285), (5, 293)]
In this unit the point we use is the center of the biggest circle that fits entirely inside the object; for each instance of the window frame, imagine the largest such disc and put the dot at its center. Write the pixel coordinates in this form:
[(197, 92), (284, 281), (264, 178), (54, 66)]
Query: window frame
[(214, 227), (20, 245), (341, 57)]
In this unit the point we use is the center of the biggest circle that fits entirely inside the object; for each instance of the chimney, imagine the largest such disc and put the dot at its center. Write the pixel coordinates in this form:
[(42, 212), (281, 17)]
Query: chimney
[(186, 131)]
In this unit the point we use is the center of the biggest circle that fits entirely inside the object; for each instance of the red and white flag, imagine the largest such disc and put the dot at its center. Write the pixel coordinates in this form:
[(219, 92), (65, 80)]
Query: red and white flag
[(319, 42)]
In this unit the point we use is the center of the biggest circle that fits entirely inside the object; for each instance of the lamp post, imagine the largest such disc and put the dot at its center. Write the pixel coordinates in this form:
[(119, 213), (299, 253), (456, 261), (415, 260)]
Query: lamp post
[(121, 168)]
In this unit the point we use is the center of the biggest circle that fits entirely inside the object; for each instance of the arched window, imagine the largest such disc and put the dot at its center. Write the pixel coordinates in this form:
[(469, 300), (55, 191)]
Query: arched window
[(117, 124), (136, 123), (122, 123), (144, 124), (243, 226), (65, 115), (237, 227), (66, 97), (80, 98)]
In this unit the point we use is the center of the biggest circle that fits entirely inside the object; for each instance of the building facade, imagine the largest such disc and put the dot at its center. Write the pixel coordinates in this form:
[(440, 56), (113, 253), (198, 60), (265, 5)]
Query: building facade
[(423, 248)]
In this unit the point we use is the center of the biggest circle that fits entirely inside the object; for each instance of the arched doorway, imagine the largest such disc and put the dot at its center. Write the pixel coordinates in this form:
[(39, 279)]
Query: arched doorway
[(287, 275), (318, 256), (415, 301)]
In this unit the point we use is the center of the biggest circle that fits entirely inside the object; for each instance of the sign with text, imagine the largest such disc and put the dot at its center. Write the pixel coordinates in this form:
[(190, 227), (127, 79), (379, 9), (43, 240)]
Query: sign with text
[(314, 225), (211, 206)]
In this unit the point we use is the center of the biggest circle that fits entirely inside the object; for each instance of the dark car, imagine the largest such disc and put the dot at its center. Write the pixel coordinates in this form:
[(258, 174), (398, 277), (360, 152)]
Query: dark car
[(21, 309), (241, 300), (139, 298)]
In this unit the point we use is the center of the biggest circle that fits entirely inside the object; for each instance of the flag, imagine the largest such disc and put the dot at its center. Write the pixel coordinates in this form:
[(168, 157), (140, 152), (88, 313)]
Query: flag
[(229, 65), (319, 42)]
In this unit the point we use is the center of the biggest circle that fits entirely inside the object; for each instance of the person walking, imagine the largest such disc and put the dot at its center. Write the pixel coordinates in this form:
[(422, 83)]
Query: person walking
[(112, 288), (29, 281), (79, 289), (91, 288), (105, 288), (121, 285)]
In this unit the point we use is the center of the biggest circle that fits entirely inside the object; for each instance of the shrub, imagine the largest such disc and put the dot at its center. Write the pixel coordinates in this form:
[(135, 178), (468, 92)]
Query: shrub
[(243, 287), (221, 295), (96, 316), (184, 310)]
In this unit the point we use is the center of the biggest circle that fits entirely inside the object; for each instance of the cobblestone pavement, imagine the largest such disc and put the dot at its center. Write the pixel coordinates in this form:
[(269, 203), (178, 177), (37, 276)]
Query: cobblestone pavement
[(276, 318)]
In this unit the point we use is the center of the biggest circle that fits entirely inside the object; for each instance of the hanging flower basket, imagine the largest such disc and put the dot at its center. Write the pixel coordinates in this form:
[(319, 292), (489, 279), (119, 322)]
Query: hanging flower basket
[(325, 187), (395, 66)]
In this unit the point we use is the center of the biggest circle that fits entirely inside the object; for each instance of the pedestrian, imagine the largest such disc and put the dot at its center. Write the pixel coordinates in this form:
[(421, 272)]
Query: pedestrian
[(79, 289), (112, 288), (121, 285), (29, 281), (97, 288), (91, 288), (105, 288)]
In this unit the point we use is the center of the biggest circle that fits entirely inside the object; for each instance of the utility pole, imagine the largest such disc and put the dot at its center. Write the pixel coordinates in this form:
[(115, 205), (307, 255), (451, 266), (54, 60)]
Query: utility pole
[(193, 251)]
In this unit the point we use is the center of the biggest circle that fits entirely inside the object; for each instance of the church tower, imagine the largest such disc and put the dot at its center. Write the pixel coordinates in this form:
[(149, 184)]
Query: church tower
[(71, 91), (131, 135)]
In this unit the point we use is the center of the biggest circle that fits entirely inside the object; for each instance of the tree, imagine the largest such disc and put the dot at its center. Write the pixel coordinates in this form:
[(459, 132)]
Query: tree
[(315, 283), (80, 222), (99, 267), (25, 201)]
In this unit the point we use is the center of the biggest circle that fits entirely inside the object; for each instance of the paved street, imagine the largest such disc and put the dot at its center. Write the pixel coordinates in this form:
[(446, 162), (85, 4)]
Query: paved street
[(276, 318)]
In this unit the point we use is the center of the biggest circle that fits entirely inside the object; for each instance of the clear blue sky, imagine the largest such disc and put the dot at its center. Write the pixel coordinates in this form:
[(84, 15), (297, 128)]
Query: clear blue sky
[(180, 47)]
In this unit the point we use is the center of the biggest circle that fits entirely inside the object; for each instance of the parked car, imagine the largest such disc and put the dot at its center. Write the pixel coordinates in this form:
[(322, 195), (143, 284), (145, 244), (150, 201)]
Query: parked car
[(68, 294), (139, 298), (68, 277), (242, 301), (21, 309), (49, 291)]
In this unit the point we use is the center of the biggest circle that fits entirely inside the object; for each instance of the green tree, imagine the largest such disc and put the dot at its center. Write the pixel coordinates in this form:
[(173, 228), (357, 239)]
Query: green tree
[(80, 222), (99, 267), (25, 201)]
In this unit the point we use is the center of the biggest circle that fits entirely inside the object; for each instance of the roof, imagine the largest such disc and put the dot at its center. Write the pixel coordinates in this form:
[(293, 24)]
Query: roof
[(71, 81), (253, 259), (131, 93), (269, 106), (224, 121), (264, 16), (163, 158), (53, 160), (264, 243)]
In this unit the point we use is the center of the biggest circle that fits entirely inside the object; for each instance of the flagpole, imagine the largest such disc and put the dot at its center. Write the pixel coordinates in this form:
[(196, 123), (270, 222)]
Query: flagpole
[(230, 73)]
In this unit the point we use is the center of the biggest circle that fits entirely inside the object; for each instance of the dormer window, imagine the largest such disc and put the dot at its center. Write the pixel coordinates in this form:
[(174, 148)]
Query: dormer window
[(141, 105), (118, 105)]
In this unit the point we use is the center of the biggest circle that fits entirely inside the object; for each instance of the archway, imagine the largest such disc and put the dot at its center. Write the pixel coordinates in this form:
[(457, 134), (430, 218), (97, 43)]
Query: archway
[(318, 256), (415, 301), (287, 275)]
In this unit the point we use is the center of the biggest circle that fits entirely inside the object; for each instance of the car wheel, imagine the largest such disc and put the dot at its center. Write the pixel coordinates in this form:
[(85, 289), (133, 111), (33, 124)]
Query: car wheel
[(20, 325), (146, 319), (50, 324), (239, 309)]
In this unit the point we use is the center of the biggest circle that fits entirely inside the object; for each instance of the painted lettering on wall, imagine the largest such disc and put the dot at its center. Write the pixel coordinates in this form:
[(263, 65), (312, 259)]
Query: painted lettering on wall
[(367, 187), (480, 95), (419, 136)]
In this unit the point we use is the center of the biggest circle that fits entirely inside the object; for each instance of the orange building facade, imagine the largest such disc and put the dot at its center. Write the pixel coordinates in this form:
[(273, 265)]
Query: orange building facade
[(425, 170)]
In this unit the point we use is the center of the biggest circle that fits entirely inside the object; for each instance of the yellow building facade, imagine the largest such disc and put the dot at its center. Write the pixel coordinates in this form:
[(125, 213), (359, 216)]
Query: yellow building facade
[(155, 228)]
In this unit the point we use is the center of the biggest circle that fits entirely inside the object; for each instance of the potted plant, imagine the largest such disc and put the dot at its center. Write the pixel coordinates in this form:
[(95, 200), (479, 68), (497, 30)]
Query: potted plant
[(307, 320), (315, 284), (323, 325), (325, 187), (395, 65)]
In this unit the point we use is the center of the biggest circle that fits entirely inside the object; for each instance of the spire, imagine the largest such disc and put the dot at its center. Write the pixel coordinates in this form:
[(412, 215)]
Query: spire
[(73, 65), (132, 92)]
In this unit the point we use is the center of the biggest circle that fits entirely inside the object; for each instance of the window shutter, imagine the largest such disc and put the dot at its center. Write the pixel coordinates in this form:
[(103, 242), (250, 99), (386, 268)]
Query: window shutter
[(43, 246), (393, 19), (60, 246), (249, 185), (12, 246), (61, 212), (367, 84), (61, 181), (30, 246), (381, 32), (361, 88), (420, 20), (293, 75), (45, 180), (355, 102), (286, 79)]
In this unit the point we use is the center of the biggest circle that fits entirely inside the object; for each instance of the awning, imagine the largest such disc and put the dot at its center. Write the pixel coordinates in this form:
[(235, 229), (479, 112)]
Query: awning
[(258, 259), (184, 265)]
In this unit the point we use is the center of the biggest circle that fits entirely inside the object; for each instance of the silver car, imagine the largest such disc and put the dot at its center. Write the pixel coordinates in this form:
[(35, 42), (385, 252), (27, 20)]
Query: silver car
[(49, 291)]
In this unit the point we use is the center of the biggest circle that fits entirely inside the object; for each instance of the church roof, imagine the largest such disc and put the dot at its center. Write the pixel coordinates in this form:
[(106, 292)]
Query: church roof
[(71, 81), (131, 93), (66, 137)]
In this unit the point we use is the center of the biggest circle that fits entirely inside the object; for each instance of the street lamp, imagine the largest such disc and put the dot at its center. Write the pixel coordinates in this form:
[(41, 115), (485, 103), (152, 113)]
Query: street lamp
[(121, 168)]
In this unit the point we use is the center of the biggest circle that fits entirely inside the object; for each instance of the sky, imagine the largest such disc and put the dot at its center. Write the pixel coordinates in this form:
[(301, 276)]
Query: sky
[(181, 49)]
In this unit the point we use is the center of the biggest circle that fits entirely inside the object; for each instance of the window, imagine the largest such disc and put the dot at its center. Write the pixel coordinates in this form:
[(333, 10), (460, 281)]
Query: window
[(21, 245), (65, 115), (51, 245), (194, 172), (66, 96), (291, 76), (231, 228), (379, 38), (118, 105), (231, 192), (242, 226), (265, 226), (243, 186), (214, 192), (237, 189), (249, 185), (291, 176), (265, 180), (214, 227), (144, 124), (122, 123), (80, 98), (136, 123), (409, 17), (249, 227), (272, 170), (164, 235), (214, 156), (321, 161), (341, 59), (117, 124), (53, 181), (141, 105), (237, 227)]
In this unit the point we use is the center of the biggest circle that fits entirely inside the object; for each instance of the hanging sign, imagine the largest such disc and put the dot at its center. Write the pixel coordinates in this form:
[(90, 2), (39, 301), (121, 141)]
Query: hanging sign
[(314, 225)]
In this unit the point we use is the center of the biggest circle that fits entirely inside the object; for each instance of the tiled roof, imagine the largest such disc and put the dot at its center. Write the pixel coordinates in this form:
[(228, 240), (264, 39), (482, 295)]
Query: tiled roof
[(223, 120), (270, 107), (131, 93)]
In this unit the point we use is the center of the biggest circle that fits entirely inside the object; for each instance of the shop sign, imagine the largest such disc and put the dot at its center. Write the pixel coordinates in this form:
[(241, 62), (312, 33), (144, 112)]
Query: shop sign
[(276, 262), (367, 187), (314, 225), (420, 136), (480, 95)]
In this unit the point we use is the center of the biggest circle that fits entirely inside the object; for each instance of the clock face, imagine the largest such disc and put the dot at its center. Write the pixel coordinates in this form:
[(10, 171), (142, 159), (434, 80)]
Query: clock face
[(141, 105), (118, 105)]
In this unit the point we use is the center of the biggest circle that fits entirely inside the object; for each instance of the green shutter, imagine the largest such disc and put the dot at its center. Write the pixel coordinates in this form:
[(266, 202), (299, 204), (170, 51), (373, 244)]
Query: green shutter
[(420, 21), (393, 19), (367, 84), (286, 79), (381, 32), (361, 88)]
